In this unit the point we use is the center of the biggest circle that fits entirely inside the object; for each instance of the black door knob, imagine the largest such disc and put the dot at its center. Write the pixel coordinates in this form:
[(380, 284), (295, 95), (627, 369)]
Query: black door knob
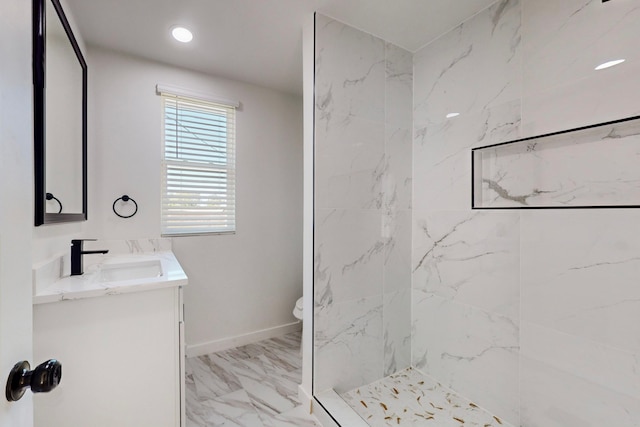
[(43, 379)]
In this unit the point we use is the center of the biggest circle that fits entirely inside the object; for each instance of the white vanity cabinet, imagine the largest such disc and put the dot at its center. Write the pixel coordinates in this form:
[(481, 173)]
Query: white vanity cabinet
[(121, 360), (122, 352)]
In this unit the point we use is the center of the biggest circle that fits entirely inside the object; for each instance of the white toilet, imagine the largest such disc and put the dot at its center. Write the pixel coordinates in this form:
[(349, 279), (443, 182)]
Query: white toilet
[(297, 310)]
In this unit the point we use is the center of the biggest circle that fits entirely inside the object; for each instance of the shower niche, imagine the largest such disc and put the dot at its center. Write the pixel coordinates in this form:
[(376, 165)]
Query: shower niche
[(595, 166)]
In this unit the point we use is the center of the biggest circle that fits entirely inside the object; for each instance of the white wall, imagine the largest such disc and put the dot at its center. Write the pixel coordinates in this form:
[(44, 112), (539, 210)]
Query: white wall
[(16, 202), (238, 284)]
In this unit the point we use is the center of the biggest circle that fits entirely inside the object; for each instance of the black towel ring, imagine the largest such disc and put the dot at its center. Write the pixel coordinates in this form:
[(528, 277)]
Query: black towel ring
[(50, 196), (125, 198)]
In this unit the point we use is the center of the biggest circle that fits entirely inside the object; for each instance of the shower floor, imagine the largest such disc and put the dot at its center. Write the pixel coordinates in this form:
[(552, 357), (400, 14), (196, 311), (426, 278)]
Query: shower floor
[(410, 398)]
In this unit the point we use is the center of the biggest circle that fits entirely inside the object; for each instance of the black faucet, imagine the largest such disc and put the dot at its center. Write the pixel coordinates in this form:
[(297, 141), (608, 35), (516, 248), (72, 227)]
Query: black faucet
[(76, 256)]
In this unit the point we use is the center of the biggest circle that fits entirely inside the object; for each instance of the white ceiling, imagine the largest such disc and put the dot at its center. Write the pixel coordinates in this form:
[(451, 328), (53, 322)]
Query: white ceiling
[(256, 41)]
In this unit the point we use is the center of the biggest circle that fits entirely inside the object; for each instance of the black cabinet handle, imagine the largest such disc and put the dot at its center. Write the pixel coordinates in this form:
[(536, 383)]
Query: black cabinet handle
[(43, 379)]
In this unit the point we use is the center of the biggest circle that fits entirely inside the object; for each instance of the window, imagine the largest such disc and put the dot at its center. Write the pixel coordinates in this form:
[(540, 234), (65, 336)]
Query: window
[(198, 194)]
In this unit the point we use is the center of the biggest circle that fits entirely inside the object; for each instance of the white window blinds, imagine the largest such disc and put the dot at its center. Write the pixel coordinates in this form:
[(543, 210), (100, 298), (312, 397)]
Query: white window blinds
[(198, 194)]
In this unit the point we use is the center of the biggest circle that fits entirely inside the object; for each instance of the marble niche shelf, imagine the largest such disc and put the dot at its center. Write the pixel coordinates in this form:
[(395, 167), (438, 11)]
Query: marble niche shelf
[(595, 166)]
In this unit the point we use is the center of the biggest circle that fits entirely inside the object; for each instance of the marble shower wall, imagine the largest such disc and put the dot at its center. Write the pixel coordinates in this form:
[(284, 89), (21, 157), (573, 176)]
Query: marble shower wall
[(531, 314), (465, 263), (580, 339), (362, 236)]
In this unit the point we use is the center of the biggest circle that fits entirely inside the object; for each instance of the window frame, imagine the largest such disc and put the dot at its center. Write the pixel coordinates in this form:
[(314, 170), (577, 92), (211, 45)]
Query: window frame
[(197, 171)]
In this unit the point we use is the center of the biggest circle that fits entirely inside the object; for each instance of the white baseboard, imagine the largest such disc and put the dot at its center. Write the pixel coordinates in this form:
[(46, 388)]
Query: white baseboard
[(232, 342), (305, 398)]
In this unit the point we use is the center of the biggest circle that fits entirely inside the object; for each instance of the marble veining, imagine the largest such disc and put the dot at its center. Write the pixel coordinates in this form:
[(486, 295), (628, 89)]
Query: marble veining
[(473, 70), (533, 315), (465, 267), (397, 330), (472, 351), (255, 385), (410, 398), (90, 284), (363, 186), (588, 286), (559, 170), (469, 257), (59, 266), (348, 344), (130, 246), (487, 45), (353, 268), (350, 72)]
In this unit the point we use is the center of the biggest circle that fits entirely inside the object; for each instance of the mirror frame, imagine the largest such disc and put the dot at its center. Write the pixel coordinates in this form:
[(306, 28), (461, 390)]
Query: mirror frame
[(39, 114)]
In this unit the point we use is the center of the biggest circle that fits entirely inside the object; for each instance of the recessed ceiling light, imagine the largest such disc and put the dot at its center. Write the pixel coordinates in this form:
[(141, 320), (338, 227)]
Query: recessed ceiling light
[(451, 115), (609, 64), (181, 34)]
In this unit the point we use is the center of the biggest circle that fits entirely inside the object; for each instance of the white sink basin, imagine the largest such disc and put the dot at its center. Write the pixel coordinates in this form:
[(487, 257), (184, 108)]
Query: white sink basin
[(130, 271)]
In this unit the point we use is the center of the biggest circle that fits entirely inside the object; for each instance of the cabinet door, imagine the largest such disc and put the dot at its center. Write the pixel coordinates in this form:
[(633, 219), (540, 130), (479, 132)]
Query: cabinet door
[(120, 360)]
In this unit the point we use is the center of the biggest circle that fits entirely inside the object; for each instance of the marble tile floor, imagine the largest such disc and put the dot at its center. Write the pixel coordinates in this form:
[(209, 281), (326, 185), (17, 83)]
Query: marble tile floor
[(255, 385), (409, 398)]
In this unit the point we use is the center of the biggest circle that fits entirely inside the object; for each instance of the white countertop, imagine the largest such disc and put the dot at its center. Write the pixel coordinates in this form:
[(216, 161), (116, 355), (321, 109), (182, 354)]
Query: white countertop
[(90, 285)]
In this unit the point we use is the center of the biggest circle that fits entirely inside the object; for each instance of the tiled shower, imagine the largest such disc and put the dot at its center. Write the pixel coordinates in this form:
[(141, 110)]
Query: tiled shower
[(530, 314)]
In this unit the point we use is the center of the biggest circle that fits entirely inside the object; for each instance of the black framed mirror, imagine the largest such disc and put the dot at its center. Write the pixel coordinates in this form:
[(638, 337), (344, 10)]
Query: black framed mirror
[(60, 117)]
